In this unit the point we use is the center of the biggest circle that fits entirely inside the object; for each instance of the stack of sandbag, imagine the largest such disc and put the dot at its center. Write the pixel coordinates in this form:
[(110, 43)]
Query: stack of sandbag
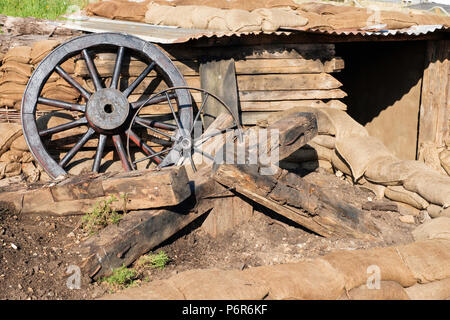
[(419, 270), (15, 71), (15, 158), (345, 145), (17, 66), (234, 20)]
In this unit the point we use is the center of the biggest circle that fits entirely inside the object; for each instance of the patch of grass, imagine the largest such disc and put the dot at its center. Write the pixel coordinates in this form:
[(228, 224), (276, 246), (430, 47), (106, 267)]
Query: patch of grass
[(42, 9), (121, 278), (101, 215), (157, 261)]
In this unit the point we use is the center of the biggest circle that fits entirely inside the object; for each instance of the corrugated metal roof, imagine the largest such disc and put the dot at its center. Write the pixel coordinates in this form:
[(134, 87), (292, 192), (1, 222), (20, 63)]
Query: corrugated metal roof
[(168, 34)]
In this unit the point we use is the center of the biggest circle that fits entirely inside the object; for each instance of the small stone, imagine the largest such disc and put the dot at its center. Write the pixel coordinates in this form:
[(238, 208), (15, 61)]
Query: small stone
[(407, 219), (2, 231), (339, 173), (369, 199), (14, 246), (30, 290)]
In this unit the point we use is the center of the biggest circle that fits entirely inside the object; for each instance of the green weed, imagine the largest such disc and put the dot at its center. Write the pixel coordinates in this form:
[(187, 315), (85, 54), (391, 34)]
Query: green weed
[(42, 9), (157, 261), (101, 215), (121, 278)]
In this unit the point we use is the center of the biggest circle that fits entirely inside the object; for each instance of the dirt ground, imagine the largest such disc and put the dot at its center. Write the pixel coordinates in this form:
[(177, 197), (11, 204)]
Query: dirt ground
[(36, 250)]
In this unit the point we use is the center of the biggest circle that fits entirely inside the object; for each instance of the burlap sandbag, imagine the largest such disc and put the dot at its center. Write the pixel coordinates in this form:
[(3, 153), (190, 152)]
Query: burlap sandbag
[(19, 54), (360, 151), (216, 284), (437, 290), (388, 290), (10, 169), (13, 77), (429, 154), (8, 133), (10, 88), (344, 125), (275, 18), (391, 171), (155, 290), (340, 164), (41, 49), (19, 144), (309, 279), (354, 265), (427, 260), (324, 124), (438, 228), (431, 185), (325, 141), (444, 157), (7, 101), (31, 172), (11, 156), (132, 11), (57, 118), (21, 68), (378, 189), (398, 193)]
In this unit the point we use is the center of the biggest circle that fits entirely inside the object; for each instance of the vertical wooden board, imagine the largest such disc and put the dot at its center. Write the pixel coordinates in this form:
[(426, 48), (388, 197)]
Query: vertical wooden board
[(219, 78), (434, 114)]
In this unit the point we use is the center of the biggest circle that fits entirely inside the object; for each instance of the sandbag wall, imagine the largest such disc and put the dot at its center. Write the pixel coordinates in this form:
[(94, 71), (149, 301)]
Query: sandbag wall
[(416, 271), (344, 147)]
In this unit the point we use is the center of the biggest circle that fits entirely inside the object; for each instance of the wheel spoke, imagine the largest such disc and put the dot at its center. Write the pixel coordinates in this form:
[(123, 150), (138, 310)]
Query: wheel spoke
[(155, 130), (121, 152), (74, 83), (99, 153), (72, 152), (63, 127), (199, 111), (139, 79), (141, 144), (62, 104), (173, 111), (204, 153), (117, 67), (156, 124), (154, 100), (92, 70), (152, 155), (202, 138)]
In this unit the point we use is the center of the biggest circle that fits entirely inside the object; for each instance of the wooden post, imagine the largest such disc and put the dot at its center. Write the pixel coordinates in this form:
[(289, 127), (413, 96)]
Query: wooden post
[(434, 108)]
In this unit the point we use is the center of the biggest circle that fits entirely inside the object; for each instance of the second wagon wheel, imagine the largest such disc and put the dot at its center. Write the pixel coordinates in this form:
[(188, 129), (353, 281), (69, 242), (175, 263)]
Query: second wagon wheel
[(101, 117)]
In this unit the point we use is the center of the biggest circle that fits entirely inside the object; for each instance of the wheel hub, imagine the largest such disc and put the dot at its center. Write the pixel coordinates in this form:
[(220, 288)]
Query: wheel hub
[(107, 109)]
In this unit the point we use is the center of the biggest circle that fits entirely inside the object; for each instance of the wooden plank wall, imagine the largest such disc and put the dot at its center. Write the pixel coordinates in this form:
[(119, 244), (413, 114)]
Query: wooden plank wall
[(273, 77), (434, 117)]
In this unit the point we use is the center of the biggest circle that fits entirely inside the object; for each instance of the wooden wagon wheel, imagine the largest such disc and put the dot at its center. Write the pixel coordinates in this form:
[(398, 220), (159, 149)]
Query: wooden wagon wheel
[(105, 111)]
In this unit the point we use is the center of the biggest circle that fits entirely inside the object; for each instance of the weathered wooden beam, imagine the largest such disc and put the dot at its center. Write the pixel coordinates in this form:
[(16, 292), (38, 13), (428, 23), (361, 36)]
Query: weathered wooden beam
[(76, 195), (292, 197), (282, 95), (312, 81), (287, 66), (140, 231)]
